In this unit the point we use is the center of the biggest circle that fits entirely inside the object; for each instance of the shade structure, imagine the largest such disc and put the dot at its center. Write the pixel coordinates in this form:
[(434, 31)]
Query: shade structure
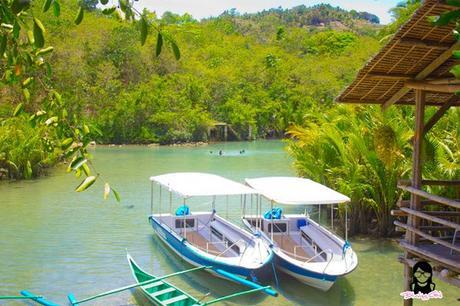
[(192, 184), (417, 51), (295, 191)]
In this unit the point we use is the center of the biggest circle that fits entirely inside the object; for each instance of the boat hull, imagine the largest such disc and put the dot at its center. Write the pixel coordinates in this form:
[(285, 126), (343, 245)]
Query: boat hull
[(317, 280), (184, 250)]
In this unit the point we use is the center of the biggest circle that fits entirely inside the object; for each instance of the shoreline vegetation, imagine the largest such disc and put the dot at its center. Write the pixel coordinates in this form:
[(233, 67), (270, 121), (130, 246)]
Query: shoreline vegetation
[(270, 74)]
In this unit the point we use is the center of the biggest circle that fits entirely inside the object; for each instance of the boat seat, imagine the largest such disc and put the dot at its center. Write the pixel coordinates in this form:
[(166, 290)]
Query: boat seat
[(289, 245), (175, 299), (198, 240), (167, 290), (153, 285)]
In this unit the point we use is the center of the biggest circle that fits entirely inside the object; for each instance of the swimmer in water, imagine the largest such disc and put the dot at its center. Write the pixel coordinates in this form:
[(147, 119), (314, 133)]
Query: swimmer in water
[(220, 152)]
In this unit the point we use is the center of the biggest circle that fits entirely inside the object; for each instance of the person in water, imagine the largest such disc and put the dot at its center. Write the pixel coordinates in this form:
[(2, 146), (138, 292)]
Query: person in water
[(422, 274), (220, 152)]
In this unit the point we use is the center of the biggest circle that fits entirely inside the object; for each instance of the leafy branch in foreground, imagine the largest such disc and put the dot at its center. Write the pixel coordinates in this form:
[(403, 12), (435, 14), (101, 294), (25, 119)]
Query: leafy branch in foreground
[(25, 72)]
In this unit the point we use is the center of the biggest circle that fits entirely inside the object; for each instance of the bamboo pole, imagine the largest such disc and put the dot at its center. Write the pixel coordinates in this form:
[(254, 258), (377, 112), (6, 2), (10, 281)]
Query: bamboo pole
[(431, 218), (110, 292), (20, 297), (416, 191), (400, 213), (428, 236), (416, 182), (235, 295), (430, 256)]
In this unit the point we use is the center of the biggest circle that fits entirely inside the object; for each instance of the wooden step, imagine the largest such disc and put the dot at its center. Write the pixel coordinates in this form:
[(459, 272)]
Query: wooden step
[(167, 290), (175, 299), (153, 285)]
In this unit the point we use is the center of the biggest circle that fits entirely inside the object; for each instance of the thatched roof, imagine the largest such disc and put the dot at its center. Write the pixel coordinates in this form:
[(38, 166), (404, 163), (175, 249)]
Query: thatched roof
[(418, 51)]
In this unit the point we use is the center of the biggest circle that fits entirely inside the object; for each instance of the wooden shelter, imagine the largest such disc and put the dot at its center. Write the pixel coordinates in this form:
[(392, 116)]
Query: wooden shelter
[(413, 69)]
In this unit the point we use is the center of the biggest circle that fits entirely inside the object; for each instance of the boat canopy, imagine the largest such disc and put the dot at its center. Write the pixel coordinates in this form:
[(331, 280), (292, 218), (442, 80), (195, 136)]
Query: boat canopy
[(295, 191), (190, 184)]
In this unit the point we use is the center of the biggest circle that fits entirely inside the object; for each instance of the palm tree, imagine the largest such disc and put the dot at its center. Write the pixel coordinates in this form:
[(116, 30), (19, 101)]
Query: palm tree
[(361, 152)]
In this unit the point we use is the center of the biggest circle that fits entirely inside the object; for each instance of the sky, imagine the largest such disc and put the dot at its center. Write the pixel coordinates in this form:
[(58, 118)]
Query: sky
[(207, 8)]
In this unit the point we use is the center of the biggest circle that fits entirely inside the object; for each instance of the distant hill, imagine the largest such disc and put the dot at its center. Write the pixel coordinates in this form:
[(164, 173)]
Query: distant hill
[(317, 17), (321, 14)]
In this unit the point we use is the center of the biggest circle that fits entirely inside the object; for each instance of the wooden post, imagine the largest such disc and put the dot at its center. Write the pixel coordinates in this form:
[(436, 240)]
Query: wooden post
[(225, 132), (416, 182)]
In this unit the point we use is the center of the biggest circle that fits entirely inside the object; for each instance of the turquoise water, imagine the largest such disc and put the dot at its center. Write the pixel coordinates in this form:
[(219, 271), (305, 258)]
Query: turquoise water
[(55, 241)]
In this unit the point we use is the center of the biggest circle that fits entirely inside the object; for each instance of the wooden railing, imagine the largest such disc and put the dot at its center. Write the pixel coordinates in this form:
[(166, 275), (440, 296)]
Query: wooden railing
[(446, 220)]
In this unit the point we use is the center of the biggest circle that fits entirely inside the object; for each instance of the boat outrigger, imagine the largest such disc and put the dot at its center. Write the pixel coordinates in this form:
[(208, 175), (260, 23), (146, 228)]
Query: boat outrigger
[(303, 248), (205, 238), (160, 292)]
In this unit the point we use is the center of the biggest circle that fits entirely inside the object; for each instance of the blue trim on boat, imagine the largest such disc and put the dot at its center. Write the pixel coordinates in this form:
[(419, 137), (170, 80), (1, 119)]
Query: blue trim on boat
[(41, 301), (72, 299), (279, 261), (180, 245)]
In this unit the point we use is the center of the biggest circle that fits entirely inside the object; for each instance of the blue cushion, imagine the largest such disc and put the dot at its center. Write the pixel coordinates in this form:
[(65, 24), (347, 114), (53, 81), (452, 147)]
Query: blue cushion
[(275, 213), (301, 222), (183, 210)]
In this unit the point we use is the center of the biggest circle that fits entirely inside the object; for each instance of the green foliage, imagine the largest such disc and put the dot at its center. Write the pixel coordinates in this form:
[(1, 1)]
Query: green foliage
[(35, 118), (135, 97), (363, 152)]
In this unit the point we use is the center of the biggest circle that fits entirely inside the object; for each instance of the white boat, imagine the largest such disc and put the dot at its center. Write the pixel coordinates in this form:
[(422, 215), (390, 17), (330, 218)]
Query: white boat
[(303, 248), (205, 238)]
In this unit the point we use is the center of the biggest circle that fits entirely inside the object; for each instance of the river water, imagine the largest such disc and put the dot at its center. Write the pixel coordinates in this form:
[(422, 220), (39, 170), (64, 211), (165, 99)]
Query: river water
[(54, 241)]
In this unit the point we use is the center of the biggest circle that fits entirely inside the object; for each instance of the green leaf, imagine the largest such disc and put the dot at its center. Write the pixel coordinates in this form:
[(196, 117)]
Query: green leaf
[(19, 5), (104, 2), (123, 5), (66, 143), (30, 37), (16, 30), (28, 170), (159, 44), (445, 18), (3, 42), (56, 8), (176, 50), (106, 190), (86, 169), (26, 94), (47, 5), (455, 71), (87, 182), (45, 51), (18, 109), (78, 163), (57, 96), (85, 129), (116, 194), (144, 29), (453, 2), (456, 54), (79, 17), (109, 11), (27, 81), (51, 120), (7, 26), (39, 30)]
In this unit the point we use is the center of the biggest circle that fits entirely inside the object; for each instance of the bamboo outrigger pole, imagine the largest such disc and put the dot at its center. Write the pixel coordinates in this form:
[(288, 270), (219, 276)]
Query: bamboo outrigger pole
[(113, 291), (20, 297)]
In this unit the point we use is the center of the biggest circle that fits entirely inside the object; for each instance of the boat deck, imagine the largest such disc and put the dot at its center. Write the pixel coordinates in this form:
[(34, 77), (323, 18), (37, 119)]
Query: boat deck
[(199, 241), (286, 243)]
